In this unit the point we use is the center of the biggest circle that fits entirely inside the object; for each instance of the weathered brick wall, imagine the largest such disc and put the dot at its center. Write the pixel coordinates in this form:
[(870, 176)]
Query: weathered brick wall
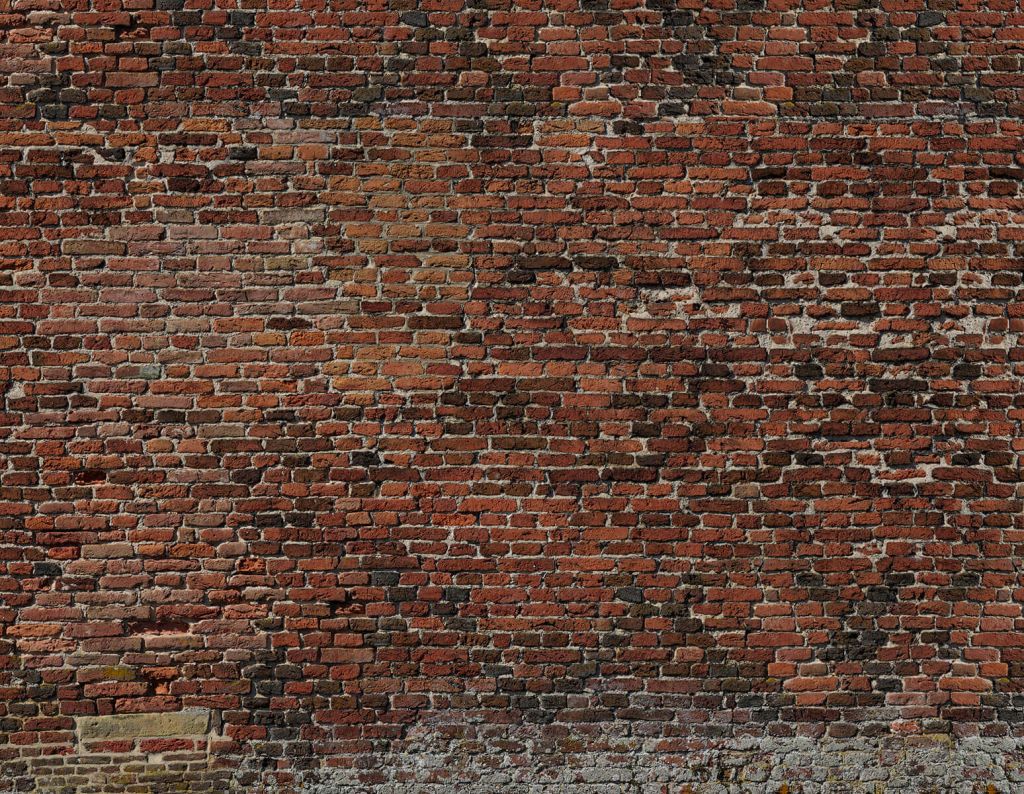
[(511, 396)]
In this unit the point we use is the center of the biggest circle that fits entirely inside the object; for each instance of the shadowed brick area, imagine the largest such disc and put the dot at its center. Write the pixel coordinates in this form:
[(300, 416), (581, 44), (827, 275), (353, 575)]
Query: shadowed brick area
[(511, 396)]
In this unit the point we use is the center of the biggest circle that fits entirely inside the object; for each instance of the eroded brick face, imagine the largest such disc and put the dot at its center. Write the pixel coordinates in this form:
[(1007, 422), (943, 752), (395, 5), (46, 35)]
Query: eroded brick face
[(511, 396)]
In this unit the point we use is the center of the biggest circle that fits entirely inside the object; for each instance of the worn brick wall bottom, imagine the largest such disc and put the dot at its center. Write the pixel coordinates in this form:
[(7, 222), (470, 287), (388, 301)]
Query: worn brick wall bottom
[(482, 756), (493, 759)]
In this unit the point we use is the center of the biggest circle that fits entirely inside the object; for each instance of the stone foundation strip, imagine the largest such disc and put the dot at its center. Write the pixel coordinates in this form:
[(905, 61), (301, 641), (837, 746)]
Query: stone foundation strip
[(491, 759), (518, 765)]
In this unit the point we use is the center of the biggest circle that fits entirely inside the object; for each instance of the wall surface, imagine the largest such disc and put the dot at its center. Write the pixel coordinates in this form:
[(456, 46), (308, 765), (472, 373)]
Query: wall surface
[(511, 396)]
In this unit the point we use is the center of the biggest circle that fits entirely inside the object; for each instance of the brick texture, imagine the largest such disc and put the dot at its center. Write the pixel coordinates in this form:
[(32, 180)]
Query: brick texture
[(511, 395)]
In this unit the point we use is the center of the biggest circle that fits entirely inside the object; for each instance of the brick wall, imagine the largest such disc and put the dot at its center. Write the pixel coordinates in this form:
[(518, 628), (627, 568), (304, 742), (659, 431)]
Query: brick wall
[(511, 396)]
